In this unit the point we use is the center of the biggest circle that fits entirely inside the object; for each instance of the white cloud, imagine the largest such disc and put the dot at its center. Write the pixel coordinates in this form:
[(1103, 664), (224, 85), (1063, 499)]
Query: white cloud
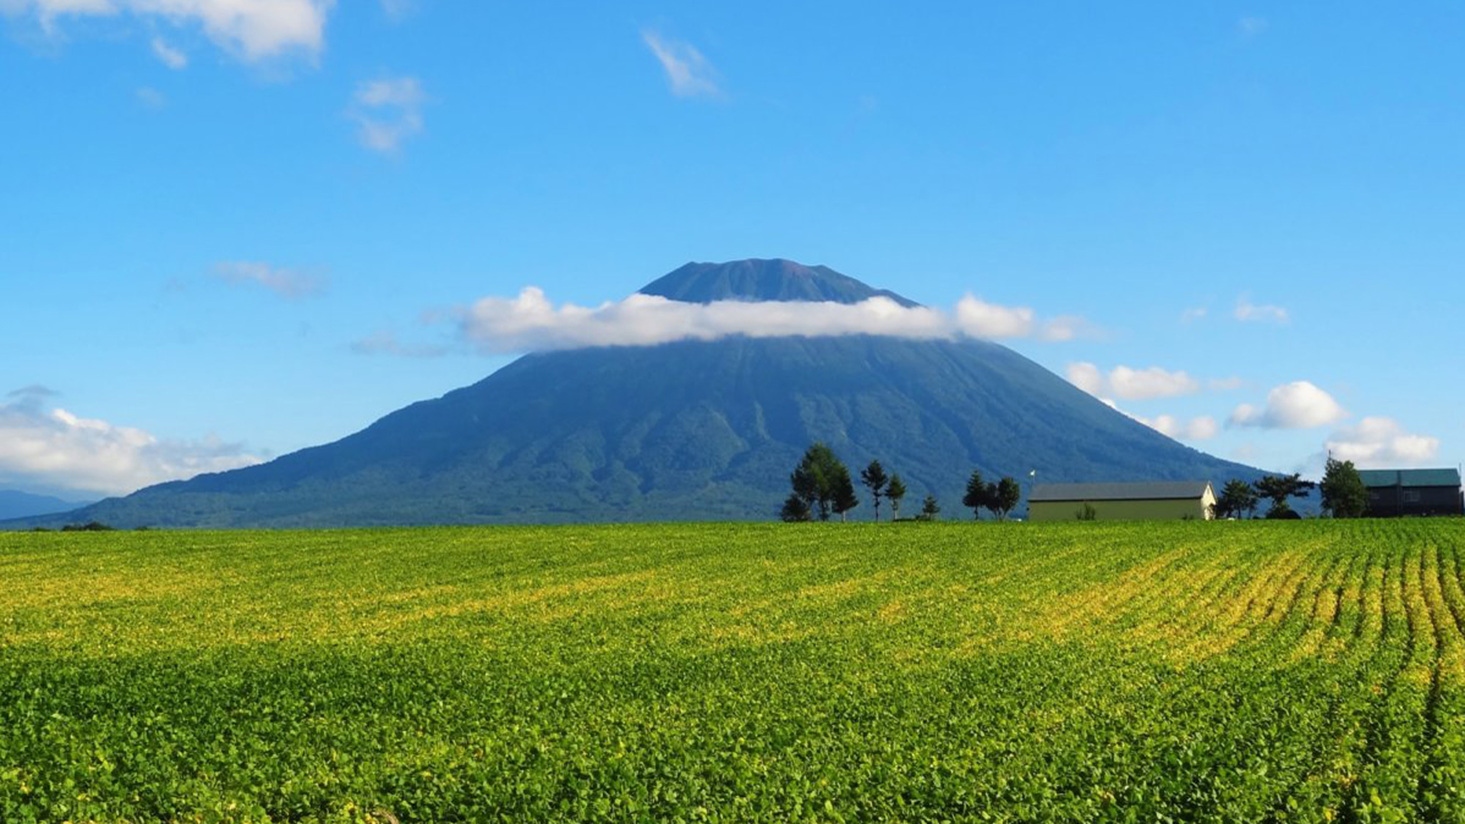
[(287, 283), (687, 71), (388, 112), (1296, 405), (52, 447), (252, 29), (398, 9), (1248, 312), (1378, 442), (172, 58), (1132, 384), (1194, 313), (1224, 384), (531, 322), (1200, 428)]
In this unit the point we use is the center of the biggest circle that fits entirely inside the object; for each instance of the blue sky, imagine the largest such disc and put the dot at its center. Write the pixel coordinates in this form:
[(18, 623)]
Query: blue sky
[(232, 234)]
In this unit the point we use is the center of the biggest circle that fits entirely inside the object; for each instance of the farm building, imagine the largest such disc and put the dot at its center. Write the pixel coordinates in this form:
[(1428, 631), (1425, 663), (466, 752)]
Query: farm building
[(1398, 493), (1150, 501)]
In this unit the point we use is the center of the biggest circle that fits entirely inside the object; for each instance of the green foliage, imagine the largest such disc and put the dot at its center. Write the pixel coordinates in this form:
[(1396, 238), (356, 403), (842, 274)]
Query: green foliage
[(875, 480), (1237, 498), (1109, 672), (1278, 488), (1342, 489), (795, 509), (844, 492), (977, 493), (89, 526), (819, 479), (1087, 512), (1003, 497), (895, 492), (930, 510)]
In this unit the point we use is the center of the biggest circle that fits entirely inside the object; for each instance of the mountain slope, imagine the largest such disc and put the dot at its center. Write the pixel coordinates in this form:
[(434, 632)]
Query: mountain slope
[(690, 430), (16, 504)]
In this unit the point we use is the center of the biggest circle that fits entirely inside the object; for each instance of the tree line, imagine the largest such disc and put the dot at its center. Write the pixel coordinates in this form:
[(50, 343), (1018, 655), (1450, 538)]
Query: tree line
[(1343, 493), (823, 487)]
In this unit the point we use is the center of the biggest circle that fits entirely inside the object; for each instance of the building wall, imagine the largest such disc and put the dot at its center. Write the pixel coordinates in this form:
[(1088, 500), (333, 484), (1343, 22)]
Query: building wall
[(1395, 501), (1122, 510)]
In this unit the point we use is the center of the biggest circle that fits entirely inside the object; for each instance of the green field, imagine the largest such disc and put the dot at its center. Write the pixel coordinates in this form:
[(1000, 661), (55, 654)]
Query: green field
[(1246, 672)]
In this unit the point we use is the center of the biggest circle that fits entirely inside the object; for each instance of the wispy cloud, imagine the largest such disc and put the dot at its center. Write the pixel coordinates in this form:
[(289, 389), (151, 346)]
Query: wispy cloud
[(253, 30), (172, 58), (1248, 312), (387, 112), (290, 284), (52, 447), (151, 97), (1381, 442), (1252, 26), (1295, 405), (531, 322), (1194, 314), (687, 72), (398, 9), (386, 342)]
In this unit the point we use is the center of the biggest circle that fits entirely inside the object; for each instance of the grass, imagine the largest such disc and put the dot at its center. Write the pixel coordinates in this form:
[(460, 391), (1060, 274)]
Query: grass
[(1240, 672)]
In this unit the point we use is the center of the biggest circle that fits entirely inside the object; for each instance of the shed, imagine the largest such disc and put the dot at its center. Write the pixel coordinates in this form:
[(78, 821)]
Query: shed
[(1398, 493), (1148, 501)]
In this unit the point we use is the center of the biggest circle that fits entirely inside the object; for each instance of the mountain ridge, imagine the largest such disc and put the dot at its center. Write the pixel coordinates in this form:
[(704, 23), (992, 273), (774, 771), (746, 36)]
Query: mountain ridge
[(692, 430)]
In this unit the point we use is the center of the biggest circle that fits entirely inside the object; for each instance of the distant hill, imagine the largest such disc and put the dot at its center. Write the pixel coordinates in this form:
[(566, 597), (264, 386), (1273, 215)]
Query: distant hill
[(16, 504), (690, 430)]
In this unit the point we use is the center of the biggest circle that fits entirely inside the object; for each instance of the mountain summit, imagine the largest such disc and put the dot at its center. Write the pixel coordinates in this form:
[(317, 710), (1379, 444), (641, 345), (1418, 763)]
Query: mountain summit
[(688, 430), (756, 279)]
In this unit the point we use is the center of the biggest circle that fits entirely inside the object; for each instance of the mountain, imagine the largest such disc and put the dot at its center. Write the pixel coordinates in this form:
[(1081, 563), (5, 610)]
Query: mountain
[(689, 430), (16, 504)]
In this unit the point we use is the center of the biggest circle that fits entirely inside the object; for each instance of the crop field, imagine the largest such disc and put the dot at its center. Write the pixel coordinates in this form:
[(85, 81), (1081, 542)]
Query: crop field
[(1187, 672)]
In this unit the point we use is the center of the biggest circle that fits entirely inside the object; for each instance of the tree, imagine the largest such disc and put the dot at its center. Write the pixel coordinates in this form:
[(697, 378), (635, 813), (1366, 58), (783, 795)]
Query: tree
[(1003, 497), (1278, 488), (1237, 497), (976, 494), (796, 509), (895, 491), (816, 477), (930, 510), (844, 498), (874, 479), (1344, 494)]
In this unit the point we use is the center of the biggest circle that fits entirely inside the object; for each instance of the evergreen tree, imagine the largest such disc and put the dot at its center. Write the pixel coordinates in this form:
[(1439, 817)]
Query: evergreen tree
[(1236, 498), (844, 498), (796, 509), (874, 479), (930, 510), (895, 491), (1344, 494), (976, 494), (1278, 488)]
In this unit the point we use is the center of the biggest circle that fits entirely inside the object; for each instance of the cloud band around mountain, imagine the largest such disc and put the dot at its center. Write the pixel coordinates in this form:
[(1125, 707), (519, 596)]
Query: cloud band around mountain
[(531, 322)]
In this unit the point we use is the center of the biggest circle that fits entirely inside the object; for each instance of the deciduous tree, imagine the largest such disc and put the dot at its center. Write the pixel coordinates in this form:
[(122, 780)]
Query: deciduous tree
[(1342, 489)]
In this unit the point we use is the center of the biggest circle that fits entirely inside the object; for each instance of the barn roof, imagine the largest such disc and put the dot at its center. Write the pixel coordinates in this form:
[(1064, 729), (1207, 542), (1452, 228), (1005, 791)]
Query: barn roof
[(1145, 491), (1410, 477)]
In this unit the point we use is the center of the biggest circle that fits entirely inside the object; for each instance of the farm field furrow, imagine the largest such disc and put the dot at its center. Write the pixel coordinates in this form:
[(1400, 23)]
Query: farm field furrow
[(1190, 672)]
